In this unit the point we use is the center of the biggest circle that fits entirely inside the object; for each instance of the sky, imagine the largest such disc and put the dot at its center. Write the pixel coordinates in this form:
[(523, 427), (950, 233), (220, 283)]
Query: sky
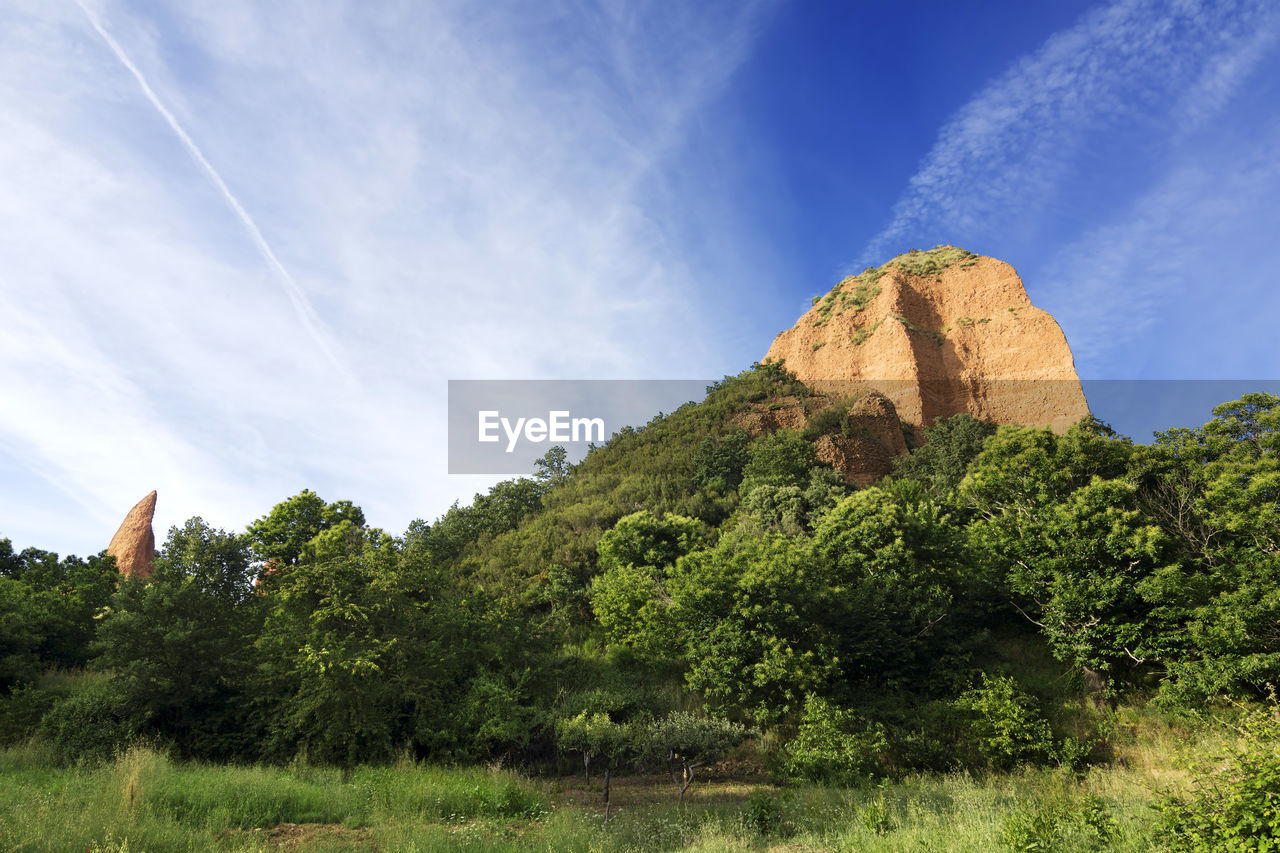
[(245, 245)]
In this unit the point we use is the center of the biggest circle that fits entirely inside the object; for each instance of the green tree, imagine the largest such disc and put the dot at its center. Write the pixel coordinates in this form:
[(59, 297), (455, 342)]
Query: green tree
[(889, 573), (645, 539), (553, 467), (179, 642), (720, 461), (940, 463), (781, 508), (1058, 518), (330, 654), (10, 563), (490, 515), (369, 647), (686, 741), (281, 536), (629, 597), (47, 610), (764, 619), (63, 597), (19, 638), (1215, 492), (793, 510), (629, 602), (781, 458), (595, 736), (751, 622)]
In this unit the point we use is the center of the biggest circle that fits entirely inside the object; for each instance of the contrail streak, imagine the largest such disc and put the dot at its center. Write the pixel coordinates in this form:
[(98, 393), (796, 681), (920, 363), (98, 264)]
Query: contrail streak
[(306, 314)]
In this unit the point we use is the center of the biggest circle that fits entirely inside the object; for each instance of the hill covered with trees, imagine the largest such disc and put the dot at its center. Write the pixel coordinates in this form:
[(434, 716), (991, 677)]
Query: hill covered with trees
[(684, 591)]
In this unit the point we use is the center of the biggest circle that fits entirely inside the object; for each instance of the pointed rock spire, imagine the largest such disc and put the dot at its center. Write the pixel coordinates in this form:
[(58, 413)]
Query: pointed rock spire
[(134, 545)]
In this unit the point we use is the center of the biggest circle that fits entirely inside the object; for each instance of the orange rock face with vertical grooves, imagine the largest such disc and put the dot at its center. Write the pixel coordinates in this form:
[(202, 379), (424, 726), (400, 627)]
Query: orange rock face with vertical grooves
[(134, 545), (939, 333)]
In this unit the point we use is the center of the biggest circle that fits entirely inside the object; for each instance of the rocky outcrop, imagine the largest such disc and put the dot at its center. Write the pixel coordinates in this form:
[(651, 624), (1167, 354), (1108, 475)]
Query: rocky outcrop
[(938, 333), (860, 441), (134, 545), (778, 413)]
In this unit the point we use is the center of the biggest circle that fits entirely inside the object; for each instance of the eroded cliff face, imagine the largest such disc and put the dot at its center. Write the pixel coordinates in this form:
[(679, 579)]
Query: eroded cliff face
[(938, 333), (862, 441), (134, 545)]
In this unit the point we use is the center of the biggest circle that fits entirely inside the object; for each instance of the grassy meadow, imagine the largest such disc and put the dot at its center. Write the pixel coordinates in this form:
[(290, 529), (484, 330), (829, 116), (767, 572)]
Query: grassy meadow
[(143, 801)]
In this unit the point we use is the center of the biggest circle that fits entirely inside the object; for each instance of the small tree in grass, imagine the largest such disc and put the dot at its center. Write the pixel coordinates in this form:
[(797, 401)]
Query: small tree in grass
[(688, 741), (596, 737), (834, 745)]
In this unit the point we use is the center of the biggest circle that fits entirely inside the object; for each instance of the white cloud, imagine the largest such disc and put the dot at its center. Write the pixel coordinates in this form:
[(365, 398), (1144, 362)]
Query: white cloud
[(1137, 67), (302, 305), (1173, 284), (452, 191)]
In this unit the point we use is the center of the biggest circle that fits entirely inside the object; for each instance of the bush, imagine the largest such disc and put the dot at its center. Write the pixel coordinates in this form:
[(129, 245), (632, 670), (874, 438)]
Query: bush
[(1234, 803), (834, 746), (931, 262), (594, 736), (950, 446), (1085, 825), (1005, 726), (90, 725), (720, 460), (22, 709), (782, 458), (763, 813)]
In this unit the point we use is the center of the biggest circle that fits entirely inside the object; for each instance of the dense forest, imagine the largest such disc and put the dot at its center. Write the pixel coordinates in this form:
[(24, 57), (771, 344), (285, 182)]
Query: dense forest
[(685, 591)]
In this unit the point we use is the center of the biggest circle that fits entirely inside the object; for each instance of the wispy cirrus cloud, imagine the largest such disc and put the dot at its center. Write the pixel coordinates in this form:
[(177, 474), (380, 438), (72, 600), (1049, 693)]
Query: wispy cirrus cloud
[(1174, 284), (306, 313), (206, 197), (1141, 69)]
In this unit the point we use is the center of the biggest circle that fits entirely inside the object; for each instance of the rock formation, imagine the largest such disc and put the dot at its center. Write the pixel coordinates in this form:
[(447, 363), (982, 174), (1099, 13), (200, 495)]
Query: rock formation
[(861, 443), (134, 545), (938, 333), (869, 439)]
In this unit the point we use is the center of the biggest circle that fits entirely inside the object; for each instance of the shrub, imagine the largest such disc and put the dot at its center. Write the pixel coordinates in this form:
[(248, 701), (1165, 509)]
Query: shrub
[(89, 725), (782, 458), (834, 746), (932, 262), (720, 461), (22, 709), (763, 812), (1033, 828), (1234, 802), (594, 736), (950, 446), (860, 335), (1005, 726), (1085, 825)]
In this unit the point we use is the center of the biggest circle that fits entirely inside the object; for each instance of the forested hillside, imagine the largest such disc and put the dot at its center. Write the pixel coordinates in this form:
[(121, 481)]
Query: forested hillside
[(684, 589)]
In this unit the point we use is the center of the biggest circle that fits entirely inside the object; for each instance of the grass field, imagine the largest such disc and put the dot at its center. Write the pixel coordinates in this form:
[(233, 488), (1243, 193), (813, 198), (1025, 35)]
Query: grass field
[(145, 802)]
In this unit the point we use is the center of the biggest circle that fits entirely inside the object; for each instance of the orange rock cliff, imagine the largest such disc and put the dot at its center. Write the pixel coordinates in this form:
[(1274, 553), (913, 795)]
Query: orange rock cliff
[(938, 333)]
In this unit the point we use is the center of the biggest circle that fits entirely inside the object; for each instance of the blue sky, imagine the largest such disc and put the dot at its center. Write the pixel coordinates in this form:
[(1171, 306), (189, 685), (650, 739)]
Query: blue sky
[(244, 245)]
